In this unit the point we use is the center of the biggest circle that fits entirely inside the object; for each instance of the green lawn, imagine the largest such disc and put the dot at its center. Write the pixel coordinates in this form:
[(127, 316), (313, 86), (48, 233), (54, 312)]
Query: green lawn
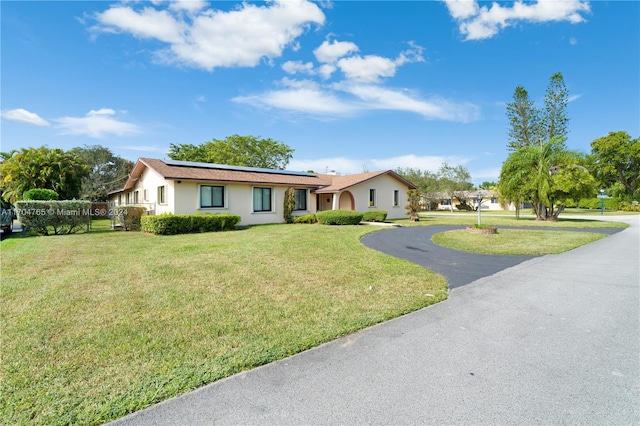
[(516, 242), (101, 324)]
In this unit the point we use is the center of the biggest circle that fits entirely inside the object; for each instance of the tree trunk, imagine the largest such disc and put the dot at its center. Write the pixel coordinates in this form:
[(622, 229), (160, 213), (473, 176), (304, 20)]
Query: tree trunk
[(554, 217), (540, 209)]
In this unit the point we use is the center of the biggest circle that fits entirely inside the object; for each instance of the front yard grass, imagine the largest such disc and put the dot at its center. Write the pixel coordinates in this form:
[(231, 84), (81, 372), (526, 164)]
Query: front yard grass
[(101, 324), (516, 242)]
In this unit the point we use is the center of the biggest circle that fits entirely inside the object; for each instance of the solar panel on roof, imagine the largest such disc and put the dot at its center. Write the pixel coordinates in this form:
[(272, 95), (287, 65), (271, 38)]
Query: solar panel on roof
[(236, 168)]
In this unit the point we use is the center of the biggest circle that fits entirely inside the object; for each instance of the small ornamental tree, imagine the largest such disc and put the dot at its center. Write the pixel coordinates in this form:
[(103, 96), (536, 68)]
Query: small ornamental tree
[(288, 205), (413, 196)]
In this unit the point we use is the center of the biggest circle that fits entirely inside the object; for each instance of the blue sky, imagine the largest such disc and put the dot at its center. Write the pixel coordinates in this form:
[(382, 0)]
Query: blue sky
[(350, 85)]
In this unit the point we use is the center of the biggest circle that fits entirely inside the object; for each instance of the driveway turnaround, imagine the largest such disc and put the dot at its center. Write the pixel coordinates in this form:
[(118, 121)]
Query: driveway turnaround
[(552, 340), (459, 267)]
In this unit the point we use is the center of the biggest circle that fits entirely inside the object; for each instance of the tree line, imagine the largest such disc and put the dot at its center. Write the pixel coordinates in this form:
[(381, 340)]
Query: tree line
[(87, 173), (91, 172), (451, 182), (540, 170)]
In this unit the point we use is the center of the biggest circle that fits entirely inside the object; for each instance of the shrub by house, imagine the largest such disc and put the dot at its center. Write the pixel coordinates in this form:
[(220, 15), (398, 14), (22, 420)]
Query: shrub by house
[(339, 217), (172, 224)]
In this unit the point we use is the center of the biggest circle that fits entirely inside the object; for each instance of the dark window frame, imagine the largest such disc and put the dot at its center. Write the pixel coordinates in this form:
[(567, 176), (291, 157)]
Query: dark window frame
[(213, 206), (300, 195), (262, 208)]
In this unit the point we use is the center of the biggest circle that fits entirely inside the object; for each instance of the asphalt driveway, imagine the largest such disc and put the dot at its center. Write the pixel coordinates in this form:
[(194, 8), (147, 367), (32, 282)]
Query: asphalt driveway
[(460, 268), (551, 340)]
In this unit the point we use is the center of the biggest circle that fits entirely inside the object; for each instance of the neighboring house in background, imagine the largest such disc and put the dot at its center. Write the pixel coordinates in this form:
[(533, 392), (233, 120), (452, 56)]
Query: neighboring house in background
[(256, 195), (490, 201)]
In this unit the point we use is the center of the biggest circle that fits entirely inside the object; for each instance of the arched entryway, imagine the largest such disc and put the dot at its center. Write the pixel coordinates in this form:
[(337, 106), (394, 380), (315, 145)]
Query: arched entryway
[(346, 201)]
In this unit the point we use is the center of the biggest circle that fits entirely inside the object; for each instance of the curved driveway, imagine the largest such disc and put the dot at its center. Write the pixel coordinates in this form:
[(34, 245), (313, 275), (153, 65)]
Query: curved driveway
[(460, 268), (552, 340)]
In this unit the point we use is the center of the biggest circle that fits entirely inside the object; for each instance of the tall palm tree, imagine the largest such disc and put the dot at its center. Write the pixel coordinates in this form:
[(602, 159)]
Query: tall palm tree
[(527, 174)]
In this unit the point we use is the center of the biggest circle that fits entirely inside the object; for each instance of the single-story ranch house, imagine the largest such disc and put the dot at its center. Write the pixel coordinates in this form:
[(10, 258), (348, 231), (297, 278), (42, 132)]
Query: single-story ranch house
[(257, 195)]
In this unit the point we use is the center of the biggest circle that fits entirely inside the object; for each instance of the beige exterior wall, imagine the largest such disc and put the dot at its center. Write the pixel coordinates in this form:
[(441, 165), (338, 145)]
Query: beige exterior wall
[(184, 198), (147, 193), (384, 187), (238, 200)]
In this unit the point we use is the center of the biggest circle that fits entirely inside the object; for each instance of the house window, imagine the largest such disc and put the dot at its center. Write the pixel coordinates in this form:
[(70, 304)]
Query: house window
[(128, 198), (396, 198), (372, 197), (300, 198), (161, 195), (211, 196), (145, 196), (262, 199), (136, 196), (119, 199)]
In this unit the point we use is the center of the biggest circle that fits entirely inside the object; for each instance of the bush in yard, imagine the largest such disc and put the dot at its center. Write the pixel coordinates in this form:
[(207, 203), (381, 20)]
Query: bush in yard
[(172, 224), (374, 216), (339, 217), (40, 194), (129, 217), (634, 206), (594, 203), (413, 196), (54, 217), (307, 218)]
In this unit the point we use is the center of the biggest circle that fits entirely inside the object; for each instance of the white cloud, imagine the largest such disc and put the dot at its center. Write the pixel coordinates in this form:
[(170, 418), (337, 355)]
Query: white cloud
[(346, 166), (292, 67), (340, 99), (481, 22), (326, 70), (148, 23), (190, 6), (210, 38), (371, 68), (300, 96), (462, 9), (96, 124), (573, 97), (330, 52), (573, 41), (380, 98), (367, 69), (24, 116)]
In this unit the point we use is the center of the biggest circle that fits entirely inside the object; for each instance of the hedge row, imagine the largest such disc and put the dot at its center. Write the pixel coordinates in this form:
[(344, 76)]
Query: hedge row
[(54, 217), (594, 203), (374, 216), (130, 217), (339, 217), (626, 206), (40, 194), (172, 224), (307, 218)]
